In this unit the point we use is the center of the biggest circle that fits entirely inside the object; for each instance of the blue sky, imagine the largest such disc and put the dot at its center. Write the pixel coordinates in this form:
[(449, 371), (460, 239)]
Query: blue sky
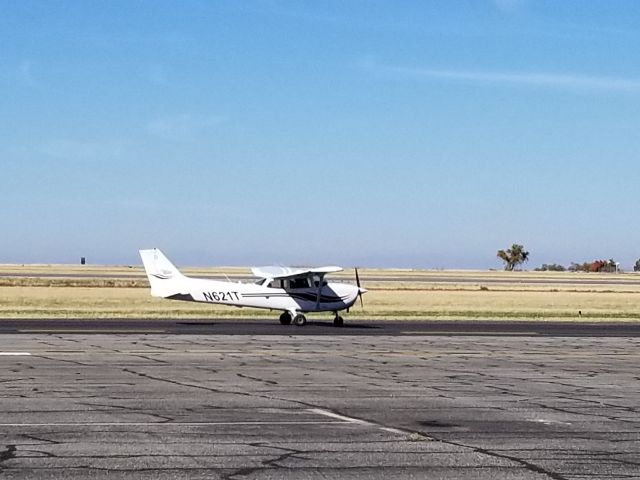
[(372, 133)]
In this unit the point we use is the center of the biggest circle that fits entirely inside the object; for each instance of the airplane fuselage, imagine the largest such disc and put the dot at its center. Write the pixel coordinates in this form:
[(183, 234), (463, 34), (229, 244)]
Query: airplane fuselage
[(332, 296), (292, 291)]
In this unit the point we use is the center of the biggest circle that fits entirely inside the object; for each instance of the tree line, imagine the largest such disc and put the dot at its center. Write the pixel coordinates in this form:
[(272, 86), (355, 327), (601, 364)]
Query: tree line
[(517, 255)]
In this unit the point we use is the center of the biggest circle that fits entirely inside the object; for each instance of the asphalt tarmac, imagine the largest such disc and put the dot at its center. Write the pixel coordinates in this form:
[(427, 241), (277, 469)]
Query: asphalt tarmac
[(517, 402), (319, 326)]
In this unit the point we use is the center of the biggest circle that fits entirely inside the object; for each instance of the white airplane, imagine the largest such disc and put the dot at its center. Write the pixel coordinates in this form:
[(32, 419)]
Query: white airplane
[(295, 291)]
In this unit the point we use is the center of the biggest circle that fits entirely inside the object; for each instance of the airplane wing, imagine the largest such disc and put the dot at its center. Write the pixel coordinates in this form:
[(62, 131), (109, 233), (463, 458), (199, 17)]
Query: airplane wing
[(287, 272)]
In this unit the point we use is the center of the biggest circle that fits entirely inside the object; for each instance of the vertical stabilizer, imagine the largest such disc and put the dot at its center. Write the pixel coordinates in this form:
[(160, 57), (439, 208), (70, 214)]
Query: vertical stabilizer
[(162, 274)]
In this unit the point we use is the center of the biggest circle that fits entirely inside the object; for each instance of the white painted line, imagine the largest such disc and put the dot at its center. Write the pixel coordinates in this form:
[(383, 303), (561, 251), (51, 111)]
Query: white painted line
[(357, 421), (393, 430), (550, 422), (163, 424), (337, 416), (15, 354)]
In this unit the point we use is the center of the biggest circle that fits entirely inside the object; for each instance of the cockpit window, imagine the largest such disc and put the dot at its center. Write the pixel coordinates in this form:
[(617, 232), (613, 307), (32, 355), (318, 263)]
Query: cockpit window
[(299, 283), (277, 283), (316, 281)]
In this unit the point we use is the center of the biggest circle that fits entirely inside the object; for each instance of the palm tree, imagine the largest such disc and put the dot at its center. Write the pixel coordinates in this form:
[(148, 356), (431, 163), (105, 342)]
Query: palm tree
[(514, 256)]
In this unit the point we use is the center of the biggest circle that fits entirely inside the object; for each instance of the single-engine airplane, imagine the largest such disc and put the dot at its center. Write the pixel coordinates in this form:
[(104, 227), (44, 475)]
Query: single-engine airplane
[(295, 291)]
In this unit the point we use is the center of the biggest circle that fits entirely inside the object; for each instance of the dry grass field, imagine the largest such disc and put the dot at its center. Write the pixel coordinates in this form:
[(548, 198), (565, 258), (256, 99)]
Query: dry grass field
[(38, 291)]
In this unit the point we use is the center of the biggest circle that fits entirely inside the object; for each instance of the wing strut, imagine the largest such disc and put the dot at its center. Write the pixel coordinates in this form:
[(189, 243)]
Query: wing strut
[(320, 284)]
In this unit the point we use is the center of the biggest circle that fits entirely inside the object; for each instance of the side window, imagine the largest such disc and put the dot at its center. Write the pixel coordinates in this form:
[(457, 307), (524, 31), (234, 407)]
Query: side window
[(316, 281), (300, 283), (277, 283)]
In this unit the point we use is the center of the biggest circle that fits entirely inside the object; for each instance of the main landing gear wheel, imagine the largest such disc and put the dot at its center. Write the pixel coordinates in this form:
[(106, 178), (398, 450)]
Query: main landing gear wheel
[(338, 321), (300, 320), (285, 318)]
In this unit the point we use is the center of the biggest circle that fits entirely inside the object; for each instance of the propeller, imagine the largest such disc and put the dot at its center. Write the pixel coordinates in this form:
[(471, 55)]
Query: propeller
[(360, 289)]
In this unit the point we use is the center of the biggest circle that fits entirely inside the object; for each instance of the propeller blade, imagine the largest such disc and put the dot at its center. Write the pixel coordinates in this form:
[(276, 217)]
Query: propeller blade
[(360, 290)]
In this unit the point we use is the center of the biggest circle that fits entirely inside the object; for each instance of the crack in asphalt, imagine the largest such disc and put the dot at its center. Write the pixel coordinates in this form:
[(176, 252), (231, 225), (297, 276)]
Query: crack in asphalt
[(159, 347), (74, 362), (269, 463), (151, 359), (8, 454), (256, 379), (39, 452), (387, 375), (506, 389), (185, 384), (40, 439), (532, 467)]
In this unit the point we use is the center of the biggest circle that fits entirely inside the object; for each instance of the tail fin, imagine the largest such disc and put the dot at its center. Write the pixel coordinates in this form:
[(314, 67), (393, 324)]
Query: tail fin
[(160, 272)]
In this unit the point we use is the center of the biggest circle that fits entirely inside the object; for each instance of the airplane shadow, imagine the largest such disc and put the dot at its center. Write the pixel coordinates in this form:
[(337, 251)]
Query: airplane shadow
[(310, 324), (347, 325)]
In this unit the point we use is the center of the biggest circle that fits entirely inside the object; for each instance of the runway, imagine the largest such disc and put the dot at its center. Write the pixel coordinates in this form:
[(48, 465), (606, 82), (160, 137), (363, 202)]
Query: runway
[(322, 327), (444, 278), (303, 403)]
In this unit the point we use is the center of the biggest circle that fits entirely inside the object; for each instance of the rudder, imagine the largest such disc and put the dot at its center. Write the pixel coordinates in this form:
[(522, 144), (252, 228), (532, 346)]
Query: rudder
[(160, 271)]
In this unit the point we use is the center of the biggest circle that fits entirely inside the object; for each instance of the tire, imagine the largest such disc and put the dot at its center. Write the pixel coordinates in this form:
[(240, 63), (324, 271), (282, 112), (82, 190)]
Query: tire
[(300, 320), (285, 318), (338, 321)]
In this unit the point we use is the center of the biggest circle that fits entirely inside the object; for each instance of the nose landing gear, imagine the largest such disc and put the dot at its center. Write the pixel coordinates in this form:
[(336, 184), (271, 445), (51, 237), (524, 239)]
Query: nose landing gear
[(300, 320)]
